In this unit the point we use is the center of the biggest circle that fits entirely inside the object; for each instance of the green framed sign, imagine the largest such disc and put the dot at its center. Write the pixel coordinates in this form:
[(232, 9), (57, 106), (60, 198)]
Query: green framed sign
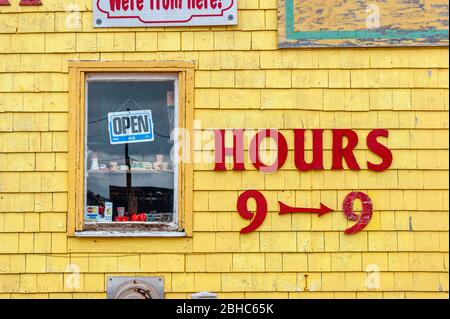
[(376, 23)]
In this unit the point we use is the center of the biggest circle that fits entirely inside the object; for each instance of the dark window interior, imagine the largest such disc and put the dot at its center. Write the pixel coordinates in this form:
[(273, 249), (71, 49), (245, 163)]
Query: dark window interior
[(136, 179)]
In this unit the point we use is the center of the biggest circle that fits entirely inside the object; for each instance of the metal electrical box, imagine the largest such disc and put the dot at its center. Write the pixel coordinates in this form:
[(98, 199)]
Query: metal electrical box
[(135, 288), (204, 295)]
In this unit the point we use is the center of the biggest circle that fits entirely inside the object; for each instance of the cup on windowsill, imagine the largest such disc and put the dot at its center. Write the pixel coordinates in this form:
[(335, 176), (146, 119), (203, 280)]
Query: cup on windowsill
[(158, 166), (94, 164), (147, 166)]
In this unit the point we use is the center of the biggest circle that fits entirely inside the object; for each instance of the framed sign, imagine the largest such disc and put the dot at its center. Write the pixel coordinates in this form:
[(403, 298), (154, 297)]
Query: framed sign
[(373, 23), (149, 13), (130, 127)]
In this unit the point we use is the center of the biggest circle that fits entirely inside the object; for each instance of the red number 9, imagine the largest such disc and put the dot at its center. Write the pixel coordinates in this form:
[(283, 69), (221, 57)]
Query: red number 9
[(366, 214), (256, 218)]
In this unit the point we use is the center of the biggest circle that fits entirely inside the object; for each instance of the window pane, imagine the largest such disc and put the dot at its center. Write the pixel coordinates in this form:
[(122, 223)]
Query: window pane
[(131, 177)]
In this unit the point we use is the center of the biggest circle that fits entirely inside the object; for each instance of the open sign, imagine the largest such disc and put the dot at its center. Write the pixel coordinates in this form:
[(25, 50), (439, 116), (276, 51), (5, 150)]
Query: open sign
[(130, 127)]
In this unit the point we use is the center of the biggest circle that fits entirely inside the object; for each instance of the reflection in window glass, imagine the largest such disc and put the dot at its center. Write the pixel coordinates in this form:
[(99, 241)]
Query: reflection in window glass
[(130, 175)]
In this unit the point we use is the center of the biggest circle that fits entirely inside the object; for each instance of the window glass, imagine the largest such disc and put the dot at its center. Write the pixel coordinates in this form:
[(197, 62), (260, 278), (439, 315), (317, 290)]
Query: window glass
[(130, 177)]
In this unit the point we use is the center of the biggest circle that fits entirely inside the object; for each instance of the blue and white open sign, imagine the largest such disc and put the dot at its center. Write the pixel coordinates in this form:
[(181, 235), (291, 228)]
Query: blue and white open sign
[(130, 127)]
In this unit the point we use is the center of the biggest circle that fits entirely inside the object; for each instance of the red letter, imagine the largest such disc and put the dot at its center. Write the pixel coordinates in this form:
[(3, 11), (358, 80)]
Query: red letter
[(281, 152), (379, 149), (155, 4), (340, 152), (125, 5), (30, 3), (299, 141), (237, 151), (114, 5), (140, 5)]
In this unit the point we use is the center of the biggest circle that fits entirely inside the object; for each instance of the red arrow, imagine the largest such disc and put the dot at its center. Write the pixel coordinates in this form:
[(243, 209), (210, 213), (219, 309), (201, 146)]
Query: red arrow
[(285, 209)]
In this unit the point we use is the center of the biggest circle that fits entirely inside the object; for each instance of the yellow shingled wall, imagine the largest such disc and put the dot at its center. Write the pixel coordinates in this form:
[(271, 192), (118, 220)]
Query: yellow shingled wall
[(241, 81)]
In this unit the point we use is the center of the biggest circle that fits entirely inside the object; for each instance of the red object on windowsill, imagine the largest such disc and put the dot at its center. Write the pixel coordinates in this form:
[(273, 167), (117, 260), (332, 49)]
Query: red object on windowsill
[(30, 3), (121, 219), (4, 3)]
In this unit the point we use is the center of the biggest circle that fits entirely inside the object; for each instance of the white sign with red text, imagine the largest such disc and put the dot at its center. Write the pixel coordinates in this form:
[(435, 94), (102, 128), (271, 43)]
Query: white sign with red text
[(148, 13)]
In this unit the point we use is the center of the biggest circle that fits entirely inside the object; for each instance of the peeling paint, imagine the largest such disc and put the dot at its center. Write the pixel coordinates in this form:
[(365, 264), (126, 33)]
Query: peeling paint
[(347, 24)]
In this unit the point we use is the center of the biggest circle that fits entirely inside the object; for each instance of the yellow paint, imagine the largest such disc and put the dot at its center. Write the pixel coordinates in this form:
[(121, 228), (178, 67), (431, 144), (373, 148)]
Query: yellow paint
[(241, 80)]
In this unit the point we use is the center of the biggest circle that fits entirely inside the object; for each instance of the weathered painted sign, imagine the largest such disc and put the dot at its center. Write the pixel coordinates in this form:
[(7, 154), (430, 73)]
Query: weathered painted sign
[(373, 23), (148, 13)]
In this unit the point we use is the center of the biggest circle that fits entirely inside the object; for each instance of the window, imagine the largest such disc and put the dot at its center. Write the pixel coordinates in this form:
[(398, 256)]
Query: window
[(126, 179)]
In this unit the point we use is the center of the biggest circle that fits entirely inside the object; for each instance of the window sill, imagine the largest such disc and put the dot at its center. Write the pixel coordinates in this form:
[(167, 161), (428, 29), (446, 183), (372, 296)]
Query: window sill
[(118, 234), (131, 227)]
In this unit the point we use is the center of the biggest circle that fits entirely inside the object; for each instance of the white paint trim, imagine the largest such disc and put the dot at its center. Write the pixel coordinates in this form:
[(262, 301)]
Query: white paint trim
[(134, 77), (137, 77), (129, 234)]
